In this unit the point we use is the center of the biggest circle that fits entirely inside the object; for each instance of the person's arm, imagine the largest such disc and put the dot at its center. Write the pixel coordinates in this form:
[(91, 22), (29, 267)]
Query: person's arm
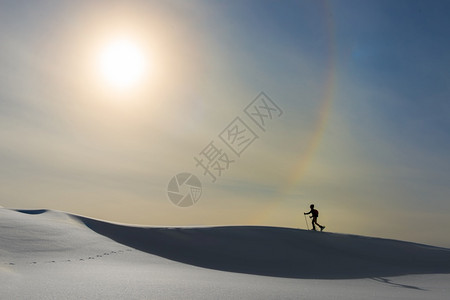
[(308, 212)]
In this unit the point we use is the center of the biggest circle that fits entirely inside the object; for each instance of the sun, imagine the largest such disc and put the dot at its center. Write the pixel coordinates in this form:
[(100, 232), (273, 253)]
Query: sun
[(122, 63)]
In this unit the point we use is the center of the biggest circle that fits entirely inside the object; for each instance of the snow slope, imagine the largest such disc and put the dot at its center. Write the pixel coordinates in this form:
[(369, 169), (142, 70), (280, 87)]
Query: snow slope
[(281, 252), (54, 255)]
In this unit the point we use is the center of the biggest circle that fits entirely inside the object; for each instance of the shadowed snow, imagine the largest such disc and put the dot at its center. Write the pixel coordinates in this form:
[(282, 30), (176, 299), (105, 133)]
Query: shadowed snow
[(268, 251), (281, 252)]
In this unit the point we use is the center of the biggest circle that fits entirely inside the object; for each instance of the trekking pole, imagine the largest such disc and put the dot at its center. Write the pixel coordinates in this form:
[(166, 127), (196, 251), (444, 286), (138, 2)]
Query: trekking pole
[(306, 221)]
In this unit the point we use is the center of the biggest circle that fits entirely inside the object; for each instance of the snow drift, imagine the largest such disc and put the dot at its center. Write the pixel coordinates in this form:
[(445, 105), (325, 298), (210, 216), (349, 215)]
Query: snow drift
[(281, 252), (269, 251), (54, 255)]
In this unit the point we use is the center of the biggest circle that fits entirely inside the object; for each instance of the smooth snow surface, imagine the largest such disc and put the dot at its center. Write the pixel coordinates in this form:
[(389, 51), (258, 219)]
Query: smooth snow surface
[(53, 255)]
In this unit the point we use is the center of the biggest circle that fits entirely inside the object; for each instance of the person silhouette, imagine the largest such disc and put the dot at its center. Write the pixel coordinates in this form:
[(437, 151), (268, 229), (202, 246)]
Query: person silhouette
[(314, 215)]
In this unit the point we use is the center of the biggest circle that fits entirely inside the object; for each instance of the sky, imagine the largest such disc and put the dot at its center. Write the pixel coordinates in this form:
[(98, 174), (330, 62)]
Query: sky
[(269, 105)]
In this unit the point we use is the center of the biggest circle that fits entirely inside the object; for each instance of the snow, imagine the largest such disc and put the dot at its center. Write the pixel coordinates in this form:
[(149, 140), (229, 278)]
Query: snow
[(55, 255)]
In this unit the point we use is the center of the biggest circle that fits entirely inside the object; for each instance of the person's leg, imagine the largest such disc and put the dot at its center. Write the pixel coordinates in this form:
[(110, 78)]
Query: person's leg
[(320, 226), (314, 220)]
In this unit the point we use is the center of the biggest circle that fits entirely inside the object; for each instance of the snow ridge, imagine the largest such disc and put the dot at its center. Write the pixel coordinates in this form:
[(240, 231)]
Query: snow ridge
[(47, 236), (281, 252)]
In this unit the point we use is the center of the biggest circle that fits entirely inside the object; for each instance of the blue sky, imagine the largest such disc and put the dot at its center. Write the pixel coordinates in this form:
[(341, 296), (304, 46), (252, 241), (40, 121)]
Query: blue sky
[(363, 85)]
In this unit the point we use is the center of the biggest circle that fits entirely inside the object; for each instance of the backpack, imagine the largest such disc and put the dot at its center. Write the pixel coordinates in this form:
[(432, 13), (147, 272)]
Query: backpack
[(315, 213)]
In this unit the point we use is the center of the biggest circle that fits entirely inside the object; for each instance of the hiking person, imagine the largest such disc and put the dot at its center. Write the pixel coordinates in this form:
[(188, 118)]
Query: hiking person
[(314, 215)]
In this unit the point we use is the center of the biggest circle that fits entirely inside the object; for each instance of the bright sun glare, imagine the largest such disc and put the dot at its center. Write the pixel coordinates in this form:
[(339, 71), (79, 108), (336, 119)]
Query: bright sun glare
[(122, 63)]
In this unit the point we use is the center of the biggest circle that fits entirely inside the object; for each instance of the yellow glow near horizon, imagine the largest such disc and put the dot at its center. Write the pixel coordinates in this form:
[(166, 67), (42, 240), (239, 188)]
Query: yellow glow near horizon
[(122, 63)]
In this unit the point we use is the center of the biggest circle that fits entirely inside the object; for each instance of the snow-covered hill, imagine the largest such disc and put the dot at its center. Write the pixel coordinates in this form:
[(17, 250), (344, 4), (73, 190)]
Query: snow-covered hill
[(54, 255), (282, 252)]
